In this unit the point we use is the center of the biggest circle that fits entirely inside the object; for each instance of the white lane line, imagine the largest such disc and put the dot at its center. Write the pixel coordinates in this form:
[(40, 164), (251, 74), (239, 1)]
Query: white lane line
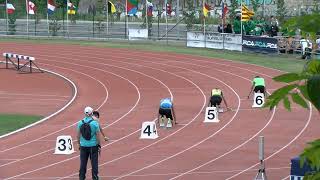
[(31, 99), (165, 174), (136, 151), (120, 117), (14, 147), (27, 94), (206, 138), (158, 162), (75, 92), (296, 137)]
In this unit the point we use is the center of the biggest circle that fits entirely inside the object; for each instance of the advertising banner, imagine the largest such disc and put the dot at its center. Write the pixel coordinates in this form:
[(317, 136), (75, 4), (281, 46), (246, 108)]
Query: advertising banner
[(195, 39), (136, 34), (258, 44)]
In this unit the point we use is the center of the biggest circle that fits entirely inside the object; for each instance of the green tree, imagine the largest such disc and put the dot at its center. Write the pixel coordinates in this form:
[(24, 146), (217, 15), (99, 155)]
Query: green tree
[(255, 5), (302, 87), (234, 6), (281, 10), (189, 15)]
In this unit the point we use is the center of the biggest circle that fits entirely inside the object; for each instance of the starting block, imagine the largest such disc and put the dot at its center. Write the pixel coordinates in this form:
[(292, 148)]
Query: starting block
[(258, 100), (149, 130), (211, 115), (64, 145)]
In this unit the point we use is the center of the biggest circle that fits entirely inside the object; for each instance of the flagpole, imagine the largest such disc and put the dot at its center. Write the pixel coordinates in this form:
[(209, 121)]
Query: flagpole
[(241, 18), (126, 20), (68, 1), (147, 26), (204, 23), (27, 8), (48, 19), (177, 19), (222, 16), (7, 16), (166, 2), (107, 17)]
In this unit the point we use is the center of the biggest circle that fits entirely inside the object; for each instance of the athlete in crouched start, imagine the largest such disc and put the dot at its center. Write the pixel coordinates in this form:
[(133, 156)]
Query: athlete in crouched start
[(166, 113), (216, 97), (258, 85)]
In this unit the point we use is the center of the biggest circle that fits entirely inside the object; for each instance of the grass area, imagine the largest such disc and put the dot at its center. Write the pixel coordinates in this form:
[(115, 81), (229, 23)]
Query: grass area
[(11, 122), (281, 62)]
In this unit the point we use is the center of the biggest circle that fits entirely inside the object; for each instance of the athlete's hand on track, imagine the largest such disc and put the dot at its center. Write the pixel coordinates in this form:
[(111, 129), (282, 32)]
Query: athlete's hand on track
[(106, 138)]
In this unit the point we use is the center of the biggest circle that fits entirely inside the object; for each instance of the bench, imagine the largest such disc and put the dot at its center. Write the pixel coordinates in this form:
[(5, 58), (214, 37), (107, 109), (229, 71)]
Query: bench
[(20, 61)]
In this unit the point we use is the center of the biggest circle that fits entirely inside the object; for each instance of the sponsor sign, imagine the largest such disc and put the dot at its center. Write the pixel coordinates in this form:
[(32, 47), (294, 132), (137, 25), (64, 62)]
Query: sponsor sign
[(260, 44)]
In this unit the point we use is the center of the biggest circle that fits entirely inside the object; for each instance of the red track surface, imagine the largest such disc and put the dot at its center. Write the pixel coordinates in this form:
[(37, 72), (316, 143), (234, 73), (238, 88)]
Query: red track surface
[(126, 87)]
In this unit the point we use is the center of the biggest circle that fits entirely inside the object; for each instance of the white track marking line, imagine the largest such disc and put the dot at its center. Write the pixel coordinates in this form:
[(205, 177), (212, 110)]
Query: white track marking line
[(129, 111), (75, 90), (166, 136), (165, 174), (28, 157), (288, 177), (184, 126), (192, 71), (139, 96), (26, 94), (296, 137), (38, 99)]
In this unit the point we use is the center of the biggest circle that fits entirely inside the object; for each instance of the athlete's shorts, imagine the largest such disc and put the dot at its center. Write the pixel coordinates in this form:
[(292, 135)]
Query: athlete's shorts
[(215, 100), (260, 89), (165, 112)]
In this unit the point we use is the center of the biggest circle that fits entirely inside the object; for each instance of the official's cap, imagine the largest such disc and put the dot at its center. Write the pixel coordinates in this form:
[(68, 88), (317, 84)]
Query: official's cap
[(88, 110)]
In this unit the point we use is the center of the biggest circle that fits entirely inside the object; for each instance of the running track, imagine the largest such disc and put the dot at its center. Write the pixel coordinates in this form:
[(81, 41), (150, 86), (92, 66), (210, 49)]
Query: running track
[(126, 87)]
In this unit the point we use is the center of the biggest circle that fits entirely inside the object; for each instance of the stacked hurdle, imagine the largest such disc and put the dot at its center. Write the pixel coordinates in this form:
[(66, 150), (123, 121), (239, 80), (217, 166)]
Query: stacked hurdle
[(28, 61)]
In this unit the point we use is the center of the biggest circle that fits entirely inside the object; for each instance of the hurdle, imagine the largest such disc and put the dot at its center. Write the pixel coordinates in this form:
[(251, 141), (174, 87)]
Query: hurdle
[(17, 65)]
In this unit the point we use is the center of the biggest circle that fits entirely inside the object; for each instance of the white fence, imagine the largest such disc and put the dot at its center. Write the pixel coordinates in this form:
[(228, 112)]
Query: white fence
[(215, 40)]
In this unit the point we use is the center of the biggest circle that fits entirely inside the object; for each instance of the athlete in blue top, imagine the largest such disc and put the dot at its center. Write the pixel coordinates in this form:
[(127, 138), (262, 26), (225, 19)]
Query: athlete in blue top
[(166, 112)]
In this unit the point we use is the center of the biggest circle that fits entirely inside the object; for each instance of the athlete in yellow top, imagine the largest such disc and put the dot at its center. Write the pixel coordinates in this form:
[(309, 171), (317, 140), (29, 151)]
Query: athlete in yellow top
[(258, 85), (216, 97)]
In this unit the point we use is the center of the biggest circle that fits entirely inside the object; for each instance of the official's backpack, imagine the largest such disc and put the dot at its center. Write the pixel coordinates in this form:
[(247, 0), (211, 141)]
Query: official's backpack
[(85, 130)]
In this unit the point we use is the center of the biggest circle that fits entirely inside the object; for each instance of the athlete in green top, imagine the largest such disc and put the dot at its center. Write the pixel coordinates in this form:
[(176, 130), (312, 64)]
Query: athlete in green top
[(258, 85)]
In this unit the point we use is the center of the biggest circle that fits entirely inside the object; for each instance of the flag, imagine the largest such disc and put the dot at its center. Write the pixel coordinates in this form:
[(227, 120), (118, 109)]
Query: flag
[(31, 8), (71, 8), (111, 8), (150, 8), (224, 10), (246, 14), (206, 9), (132, 7), (51, 7), (169, 10), (10, 8)]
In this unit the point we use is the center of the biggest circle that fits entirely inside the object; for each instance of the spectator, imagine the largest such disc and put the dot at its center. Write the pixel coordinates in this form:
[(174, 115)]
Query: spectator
[(228, 29), (318, 47), (306, 48)]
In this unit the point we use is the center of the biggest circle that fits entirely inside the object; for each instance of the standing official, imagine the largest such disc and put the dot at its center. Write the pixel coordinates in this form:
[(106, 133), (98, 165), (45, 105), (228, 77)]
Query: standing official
[(89, 144)]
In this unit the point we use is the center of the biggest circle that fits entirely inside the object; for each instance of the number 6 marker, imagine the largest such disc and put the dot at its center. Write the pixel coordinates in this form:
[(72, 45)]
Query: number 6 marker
[(258, 100), (211, 115)]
